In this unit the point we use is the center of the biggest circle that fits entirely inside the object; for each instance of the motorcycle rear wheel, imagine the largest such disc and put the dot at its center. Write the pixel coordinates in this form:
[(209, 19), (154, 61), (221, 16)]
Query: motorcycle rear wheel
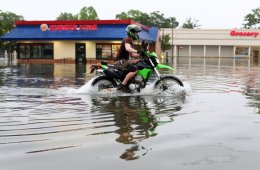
[(103, 82)]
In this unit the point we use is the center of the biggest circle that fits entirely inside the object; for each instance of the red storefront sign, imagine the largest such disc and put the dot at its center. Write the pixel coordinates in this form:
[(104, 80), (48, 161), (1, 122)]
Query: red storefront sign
[(72, 27), (244, 33)]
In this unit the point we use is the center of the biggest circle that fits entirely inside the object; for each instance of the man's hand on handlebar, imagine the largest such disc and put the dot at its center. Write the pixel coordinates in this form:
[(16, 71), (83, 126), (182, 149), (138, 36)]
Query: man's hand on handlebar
[(142, 53)]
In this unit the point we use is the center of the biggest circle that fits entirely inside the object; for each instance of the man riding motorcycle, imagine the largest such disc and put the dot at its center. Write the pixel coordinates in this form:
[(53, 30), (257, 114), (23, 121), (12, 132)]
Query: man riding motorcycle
[(136, 72), (123, 61)]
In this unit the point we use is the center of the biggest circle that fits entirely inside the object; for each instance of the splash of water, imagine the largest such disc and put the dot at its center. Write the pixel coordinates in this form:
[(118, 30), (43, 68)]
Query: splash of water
[(174, 90), (87, 88), (148, 90)]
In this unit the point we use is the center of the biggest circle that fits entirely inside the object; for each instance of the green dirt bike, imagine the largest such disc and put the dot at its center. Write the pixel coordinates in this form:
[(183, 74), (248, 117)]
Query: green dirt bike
[(110, 77)]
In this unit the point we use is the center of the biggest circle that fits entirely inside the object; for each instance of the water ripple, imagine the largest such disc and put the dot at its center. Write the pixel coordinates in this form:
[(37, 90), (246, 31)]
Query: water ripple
[(46, 116)]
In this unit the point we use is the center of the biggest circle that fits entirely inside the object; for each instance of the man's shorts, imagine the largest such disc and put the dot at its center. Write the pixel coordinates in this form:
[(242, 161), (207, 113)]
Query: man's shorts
[(125, 65)]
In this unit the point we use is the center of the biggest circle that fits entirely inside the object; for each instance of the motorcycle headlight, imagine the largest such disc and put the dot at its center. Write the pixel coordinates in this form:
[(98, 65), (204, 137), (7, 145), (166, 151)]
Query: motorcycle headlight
[(157, 60)]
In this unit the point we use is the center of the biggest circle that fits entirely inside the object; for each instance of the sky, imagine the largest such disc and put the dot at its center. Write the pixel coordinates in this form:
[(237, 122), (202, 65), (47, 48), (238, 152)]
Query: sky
[(218, 14)]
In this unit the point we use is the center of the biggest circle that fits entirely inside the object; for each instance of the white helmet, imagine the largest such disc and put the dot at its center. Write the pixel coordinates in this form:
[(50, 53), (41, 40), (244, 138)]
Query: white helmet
[(131, 30)]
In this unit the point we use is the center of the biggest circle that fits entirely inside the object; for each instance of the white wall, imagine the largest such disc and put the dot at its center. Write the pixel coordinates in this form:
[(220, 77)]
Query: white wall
[(64, 49), (212, 51), (91, 49)]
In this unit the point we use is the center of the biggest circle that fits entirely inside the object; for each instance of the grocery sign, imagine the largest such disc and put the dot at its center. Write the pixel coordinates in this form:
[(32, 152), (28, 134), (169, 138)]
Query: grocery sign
[(234, 33)]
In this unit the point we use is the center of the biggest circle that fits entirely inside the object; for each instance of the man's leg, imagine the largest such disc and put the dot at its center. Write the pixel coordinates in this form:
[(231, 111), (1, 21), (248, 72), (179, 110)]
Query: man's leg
[(128, 77), (123, 86), (132, 72)]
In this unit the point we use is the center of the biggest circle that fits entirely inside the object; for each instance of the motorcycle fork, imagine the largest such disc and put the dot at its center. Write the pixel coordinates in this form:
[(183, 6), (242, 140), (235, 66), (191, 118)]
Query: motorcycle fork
[(158, 74), (155, 70)]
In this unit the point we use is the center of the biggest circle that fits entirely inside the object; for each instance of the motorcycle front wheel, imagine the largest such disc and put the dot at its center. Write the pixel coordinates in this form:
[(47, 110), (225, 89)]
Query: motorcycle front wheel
[(102, 83), (167, 82)]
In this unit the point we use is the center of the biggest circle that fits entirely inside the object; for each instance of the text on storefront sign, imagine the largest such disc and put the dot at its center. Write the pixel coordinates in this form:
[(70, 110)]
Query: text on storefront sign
[(244, 33), (73, 27)]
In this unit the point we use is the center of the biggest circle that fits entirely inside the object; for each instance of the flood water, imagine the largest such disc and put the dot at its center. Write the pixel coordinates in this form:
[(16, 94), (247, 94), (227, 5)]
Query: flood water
[(49, 120)]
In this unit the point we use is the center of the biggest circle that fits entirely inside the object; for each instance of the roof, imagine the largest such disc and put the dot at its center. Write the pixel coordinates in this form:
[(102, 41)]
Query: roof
[(77, 30)]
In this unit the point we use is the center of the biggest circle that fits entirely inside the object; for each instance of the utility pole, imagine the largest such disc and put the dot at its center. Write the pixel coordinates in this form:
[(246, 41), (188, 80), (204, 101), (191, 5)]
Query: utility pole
[(172, 41)]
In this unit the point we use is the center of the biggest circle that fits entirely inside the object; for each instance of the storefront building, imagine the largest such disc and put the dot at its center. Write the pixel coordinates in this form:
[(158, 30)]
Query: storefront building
[(74, 41), (94, 40), (234, 43)]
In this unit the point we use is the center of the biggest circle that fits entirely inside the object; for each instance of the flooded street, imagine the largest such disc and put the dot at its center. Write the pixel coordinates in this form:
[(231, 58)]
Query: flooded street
[(49, 120)]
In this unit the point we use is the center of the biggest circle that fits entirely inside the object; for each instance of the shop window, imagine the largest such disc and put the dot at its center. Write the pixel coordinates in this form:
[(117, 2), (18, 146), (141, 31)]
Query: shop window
[(36, 51), (47, 51), (241, 51), (39, 51), (115, 48), (24, 51), (106, 51)]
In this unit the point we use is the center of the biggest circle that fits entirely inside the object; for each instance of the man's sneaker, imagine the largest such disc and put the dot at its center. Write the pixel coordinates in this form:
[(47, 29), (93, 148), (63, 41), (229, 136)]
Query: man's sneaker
[(124, 88)]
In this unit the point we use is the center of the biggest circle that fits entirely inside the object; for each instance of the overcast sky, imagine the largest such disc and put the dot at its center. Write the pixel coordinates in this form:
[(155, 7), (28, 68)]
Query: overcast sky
[(218, 14)]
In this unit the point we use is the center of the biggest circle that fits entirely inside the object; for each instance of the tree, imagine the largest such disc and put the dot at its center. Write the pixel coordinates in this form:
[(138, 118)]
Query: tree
[(252, 19), (157, 19), (88, 13), (166, 43), (67, 16), (135, 15), (170, 23), (190, 24), (7, 20), (153, 19)]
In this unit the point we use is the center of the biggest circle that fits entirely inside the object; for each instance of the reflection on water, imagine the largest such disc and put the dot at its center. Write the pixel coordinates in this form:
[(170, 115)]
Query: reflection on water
[(43, 75), (45, 118), (136, 118), (45, 122)]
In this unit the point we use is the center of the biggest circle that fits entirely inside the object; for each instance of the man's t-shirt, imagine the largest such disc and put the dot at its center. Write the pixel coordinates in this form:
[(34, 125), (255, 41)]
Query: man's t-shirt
[(122, 53)]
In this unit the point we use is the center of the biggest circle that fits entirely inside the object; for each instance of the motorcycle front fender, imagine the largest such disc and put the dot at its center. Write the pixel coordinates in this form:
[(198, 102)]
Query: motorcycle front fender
[(162, 66)]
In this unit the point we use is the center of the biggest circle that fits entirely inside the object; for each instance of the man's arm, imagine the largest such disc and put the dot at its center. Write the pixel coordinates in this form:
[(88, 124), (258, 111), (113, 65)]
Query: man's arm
[(132, 51)]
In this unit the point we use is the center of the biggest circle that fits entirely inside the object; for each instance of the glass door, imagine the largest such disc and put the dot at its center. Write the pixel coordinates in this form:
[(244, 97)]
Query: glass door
[(80, 53)]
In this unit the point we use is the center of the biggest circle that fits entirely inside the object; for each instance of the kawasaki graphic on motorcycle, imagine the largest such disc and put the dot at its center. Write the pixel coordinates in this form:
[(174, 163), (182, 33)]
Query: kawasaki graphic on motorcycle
[(110, 77)]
